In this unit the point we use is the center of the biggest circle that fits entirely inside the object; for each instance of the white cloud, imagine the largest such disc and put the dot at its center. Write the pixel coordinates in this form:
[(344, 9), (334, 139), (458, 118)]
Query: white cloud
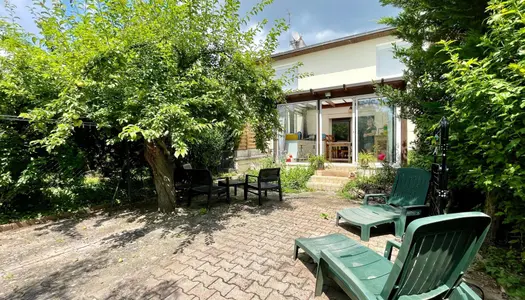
[(23, 12), (326, 35)]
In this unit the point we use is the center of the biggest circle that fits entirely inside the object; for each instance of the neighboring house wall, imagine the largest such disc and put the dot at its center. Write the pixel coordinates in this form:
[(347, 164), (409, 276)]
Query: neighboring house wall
[(347, 64)]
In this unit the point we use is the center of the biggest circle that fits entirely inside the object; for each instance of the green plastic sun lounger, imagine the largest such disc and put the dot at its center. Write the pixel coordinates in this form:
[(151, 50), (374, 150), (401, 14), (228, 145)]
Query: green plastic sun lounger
[(404, 204), (433, 257), (337, 241)]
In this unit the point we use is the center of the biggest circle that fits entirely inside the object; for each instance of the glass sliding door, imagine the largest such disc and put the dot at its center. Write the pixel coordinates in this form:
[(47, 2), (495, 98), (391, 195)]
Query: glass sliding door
[(298, 140), (375, 130)]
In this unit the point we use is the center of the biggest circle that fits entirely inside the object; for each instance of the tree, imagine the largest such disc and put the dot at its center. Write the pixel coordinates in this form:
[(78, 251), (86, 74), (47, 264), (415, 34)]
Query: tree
[(489, 112), (464, 62), (424, 23), (159, 71)]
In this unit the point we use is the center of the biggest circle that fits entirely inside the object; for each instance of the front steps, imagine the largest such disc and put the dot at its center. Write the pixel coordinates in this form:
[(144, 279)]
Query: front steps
[(332, 179)]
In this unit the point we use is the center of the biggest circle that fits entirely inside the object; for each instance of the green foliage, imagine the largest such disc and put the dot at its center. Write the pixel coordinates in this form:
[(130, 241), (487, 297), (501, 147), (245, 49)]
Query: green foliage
[(508, 268), (365, 158), (378, 183), (161, 73), (466, 61), (317, 162), (211, 149), (294, 179), (324, 216), (489, 112), (203, 211)]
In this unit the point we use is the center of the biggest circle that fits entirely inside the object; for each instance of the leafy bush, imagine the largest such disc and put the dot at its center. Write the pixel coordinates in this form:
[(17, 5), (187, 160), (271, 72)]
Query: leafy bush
[(507, 267), (379, 183), (212, 149), (294, 179), (317, 161)]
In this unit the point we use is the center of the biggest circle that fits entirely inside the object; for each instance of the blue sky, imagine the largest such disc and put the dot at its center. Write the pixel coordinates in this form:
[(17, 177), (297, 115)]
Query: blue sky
[(316, 20), (323, 20)]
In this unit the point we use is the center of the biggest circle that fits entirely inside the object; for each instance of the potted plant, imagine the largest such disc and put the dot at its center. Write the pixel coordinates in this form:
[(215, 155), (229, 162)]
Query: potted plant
[(317, 162), (365, 158)]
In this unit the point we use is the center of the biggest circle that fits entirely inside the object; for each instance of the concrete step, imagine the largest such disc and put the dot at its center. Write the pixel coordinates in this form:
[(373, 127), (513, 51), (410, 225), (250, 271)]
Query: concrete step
[(329, 179), (323, 186), (327, 183), (333, 172)]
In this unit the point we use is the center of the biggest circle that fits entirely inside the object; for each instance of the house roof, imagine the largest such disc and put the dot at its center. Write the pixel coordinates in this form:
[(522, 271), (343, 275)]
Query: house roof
[(345, 90), (351, 39)]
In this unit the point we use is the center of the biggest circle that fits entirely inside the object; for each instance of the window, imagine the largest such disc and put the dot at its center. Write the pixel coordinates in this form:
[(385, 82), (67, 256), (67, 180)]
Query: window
[(290, 73), (386, 64), (376, 129)]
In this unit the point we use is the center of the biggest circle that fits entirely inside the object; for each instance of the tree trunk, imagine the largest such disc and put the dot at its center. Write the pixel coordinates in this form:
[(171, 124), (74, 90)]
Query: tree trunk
[(491, 210), (157, 156)]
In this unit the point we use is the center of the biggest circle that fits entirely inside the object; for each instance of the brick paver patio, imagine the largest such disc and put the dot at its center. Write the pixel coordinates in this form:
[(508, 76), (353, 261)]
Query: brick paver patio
[(240, 251)]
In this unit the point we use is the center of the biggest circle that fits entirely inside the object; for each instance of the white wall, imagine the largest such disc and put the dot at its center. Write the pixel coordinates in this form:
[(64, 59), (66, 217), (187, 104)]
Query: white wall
[(348, 64), (334, 113), (411, 136)]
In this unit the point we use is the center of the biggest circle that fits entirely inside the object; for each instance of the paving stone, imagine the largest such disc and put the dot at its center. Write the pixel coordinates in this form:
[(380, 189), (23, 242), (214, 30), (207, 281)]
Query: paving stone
[(297, 281), (158, 271), (228, 256), (198, 254), (261, 279), (257, 250), (225, 265), (258, 267), (298, 292), (193, 262), (274, 295), (186, 284), (277, 285), (202, 292), (275, 274), (205, 279), (191, 273), (239, 294), (251, 253), (240, 282), (177, 267), (218, 296), (259, 290), (179, 295), (241, 261), (258, 258), (212, 259), (222, 287), (208, 268), (244, 272), (222, 273)]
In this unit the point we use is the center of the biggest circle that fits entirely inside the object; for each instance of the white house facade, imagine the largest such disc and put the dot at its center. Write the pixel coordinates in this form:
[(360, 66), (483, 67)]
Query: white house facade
[(332, 109)]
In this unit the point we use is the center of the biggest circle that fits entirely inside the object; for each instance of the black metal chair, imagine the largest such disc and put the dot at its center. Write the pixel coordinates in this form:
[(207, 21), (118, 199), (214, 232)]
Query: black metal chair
[(201, 183), (268, 179), (182, 181)]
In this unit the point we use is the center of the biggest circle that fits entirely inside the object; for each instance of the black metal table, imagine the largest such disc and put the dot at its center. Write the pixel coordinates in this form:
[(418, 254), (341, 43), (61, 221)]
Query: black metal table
[(232, 183)]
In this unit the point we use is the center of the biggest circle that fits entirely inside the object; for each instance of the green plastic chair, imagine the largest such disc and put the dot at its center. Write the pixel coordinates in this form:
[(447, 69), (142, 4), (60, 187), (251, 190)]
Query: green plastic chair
[(433, 257), (404, 204)]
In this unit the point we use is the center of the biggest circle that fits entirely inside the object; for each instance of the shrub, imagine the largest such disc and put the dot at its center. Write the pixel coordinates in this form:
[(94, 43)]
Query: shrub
[(507, 267), (294, 179), (378, 183)]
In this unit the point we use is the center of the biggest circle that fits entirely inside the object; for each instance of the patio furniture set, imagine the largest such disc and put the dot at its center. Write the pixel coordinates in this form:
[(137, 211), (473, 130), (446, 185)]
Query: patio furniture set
[(201, 182), (433, 256)]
